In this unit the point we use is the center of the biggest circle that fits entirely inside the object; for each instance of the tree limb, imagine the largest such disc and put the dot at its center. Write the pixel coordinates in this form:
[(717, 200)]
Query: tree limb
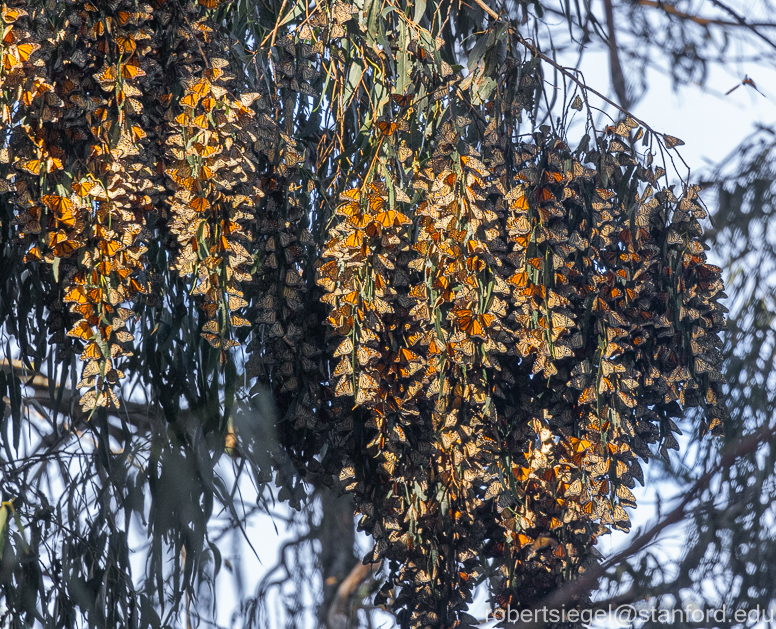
[(615, 68), (702, 21), (137, 415), (488, 10), (742, 21), (337, 616)]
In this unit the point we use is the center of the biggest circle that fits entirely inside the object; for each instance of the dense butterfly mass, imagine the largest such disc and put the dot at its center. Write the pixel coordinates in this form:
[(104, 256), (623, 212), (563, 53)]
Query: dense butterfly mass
[(477, 330), (514, 341)]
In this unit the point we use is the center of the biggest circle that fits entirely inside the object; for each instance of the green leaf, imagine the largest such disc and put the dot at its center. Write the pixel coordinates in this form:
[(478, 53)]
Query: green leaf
[(477, 52), (354, 78), (420, 9)]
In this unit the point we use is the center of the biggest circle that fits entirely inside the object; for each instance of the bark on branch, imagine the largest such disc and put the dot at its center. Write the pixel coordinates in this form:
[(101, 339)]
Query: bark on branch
[(338, 614)]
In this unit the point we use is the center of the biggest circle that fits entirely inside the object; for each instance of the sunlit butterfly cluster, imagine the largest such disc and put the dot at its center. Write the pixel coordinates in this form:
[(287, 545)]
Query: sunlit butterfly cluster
[(100, 142), (80, 185), (211, 166), (516, 323)]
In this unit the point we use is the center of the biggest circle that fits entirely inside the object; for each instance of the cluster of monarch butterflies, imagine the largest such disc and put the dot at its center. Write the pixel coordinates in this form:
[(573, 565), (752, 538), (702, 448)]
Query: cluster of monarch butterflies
[(80, 186), (99, 143), (515, 323), (486, 334), (213, 171)]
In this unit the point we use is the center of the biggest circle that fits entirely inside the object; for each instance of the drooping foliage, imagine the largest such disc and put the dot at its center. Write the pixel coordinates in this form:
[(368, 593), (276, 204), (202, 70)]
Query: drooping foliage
[(474, 308)]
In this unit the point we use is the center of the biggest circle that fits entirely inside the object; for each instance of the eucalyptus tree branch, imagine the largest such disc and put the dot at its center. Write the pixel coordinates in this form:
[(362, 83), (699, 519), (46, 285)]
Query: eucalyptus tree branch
[(702, 21), (137, 415), (337, 616), (487, 10), (742, 21)]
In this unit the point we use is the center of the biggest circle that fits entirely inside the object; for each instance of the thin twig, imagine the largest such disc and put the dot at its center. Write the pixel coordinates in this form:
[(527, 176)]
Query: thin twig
[(194, 35), (742, 21), (586, 88), (702, 21), (488, 10)]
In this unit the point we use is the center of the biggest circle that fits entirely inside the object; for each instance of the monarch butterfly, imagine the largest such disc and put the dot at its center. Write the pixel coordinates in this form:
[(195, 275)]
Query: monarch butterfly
[(561, 321), (106, 76), (391, 218), (92, 368), (190, 100), (344, 348), (398, 431), (403, 100), (344, 367), (66, 248), (381, 306), (475, 164), (588, 396), (351, 298), (366, 354), (88, 400), (24, 51), (367, 336), (360, 220), (213, 339), (124, 337), (201, 121), (544, 195), (131, 70), (605, 385), (627, 399), (620, 515), (419, 291), (11, 15), (467, 348), (92, 351), (218, 92), (109, 247), (199, 204), (574, 489), (62, 206), (201, 89), (365, 381), (31, 166), (210, 326), (342, 12), (124, 17), (236, 302), (625, 495), (672, 142), (81, 330), (387, 128), (126, 44), (355, 240), (519, 279), (406, 355)]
